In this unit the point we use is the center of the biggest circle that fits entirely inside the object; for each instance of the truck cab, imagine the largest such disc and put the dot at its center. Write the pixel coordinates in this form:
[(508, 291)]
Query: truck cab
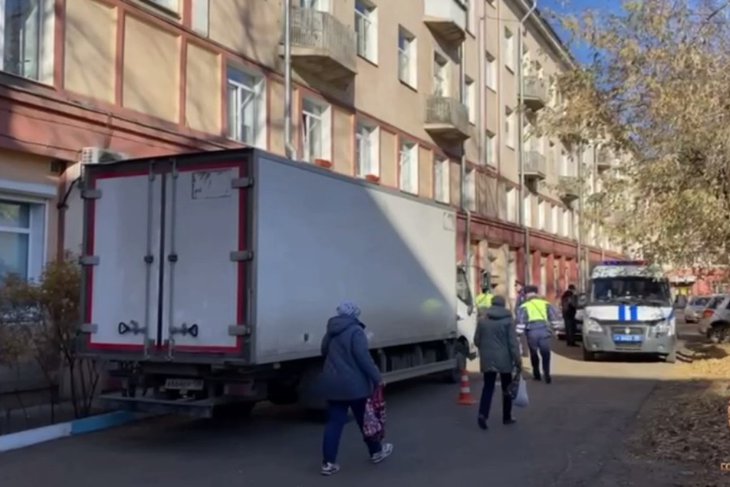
[(466, 315), (628, 310)]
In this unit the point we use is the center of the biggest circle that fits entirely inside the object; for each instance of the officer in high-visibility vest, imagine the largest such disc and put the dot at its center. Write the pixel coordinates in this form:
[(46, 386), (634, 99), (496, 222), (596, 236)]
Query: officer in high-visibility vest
[(534, 318), (484, 300)]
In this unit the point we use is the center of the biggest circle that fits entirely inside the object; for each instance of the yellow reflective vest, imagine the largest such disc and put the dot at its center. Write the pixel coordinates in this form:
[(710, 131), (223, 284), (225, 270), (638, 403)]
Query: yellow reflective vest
[(537, 310), (484, 300)]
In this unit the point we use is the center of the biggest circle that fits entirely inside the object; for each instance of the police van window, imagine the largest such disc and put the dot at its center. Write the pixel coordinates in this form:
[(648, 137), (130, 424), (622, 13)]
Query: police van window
[(462, 287), (633, 288)]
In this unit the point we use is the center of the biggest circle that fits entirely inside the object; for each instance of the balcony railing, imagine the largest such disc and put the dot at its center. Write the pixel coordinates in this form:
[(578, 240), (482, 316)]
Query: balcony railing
[(446, 18), (322, 45), (447, 118), (535, 165), (535, 92), (569, 188)]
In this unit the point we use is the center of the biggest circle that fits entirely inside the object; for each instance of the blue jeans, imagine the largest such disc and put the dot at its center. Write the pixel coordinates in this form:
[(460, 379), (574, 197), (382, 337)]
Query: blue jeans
[(336, 420), (539, 342)]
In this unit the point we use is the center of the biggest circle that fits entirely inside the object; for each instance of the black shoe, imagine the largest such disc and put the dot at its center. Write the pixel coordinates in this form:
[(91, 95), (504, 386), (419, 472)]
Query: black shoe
[(482, 422), (536, 377), (548, 379), (509, 421)]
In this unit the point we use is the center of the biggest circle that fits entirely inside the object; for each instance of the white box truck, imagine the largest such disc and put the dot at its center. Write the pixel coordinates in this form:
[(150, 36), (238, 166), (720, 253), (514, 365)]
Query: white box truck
[(209, 278)]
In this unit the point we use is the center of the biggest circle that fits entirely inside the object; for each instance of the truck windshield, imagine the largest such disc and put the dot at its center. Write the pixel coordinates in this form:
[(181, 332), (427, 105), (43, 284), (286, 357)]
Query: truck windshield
[(631, 290), (462, 287)]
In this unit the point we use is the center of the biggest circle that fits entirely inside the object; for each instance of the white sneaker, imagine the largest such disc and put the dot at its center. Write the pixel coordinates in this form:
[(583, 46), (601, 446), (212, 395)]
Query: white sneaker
[(384, 453), (329, 468)]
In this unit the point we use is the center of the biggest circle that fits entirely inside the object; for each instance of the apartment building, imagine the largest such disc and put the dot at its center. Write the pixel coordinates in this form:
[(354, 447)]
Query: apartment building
[(418, 95)]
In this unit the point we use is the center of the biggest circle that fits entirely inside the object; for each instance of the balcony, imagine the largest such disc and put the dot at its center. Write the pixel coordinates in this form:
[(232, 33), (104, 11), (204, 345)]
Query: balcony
[(447, 118), (535, 166), (569, 188), (322, 45), (535, 92), (604, 160), (446, 18)]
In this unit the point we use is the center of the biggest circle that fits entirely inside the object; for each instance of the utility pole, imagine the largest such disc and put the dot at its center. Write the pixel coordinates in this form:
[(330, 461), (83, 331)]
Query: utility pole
[(581, 223), (520, 137)]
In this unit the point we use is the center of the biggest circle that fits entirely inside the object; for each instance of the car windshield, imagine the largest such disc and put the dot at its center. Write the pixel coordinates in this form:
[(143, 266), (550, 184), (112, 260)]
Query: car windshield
[(700, 301), (714, 302), (462, 287), (631, 290)]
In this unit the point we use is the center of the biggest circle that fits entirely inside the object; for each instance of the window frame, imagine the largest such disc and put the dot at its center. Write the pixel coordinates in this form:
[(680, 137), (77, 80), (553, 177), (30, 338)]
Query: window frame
[(510, 130), (372, 142), (412, 149), (490, 149), (324, 117), (200, 17), (442, 175), (45, 39), (258, 90), (470, 99), (490, 74), (409, 53), (512, 207), (509, 49), (368, 18), (440, 75), (37, 230), (470, 185), (319, 5)]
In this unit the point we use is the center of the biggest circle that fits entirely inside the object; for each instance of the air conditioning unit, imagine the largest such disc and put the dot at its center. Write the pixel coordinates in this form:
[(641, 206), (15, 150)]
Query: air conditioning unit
[(99, 155)]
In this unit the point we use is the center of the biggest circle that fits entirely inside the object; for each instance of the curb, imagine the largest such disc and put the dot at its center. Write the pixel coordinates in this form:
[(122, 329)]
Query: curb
[(76, 427)]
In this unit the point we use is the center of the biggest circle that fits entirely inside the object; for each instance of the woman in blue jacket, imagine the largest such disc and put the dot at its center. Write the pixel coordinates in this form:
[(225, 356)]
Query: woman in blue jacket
[(349, 378)]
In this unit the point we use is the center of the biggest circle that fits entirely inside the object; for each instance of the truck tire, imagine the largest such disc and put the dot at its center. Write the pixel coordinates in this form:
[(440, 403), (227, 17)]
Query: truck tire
[(671, 357), (719, 333), (238, 410), (454, 375)]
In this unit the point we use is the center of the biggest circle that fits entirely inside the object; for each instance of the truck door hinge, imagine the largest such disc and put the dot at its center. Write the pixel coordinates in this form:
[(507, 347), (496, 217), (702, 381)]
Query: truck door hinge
[(241, 255), (89, 328), (241, 183), (89, 260), (239, 330), (91, 194)]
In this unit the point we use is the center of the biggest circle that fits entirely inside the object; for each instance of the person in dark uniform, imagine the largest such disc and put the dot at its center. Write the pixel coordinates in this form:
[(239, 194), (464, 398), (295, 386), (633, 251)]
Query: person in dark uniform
[(569, 305)]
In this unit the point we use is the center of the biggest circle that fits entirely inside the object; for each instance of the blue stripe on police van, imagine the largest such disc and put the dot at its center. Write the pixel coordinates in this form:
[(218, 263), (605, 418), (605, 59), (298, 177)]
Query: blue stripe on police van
[(621, 312), (634, 313)]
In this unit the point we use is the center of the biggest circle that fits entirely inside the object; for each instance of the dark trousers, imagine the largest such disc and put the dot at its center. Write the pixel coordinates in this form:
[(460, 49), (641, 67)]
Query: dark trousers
[(571, 329), (336, 420), (490, 378), (539, 342)]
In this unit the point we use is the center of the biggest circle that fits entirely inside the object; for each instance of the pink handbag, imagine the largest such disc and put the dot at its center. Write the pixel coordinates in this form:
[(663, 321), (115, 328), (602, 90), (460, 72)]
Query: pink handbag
[(374, 420)]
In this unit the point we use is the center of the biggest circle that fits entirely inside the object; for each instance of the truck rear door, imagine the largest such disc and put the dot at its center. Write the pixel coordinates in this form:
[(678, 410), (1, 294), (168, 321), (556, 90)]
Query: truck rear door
[(167, 256)]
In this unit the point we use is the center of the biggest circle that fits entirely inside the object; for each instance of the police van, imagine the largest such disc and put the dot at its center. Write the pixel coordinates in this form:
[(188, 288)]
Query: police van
[(628, 310)]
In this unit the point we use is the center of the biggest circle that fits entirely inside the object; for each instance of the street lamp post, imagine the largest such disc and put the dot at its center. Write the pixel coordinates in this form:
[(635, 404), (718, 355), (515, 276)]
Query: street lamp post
[(520, 137)]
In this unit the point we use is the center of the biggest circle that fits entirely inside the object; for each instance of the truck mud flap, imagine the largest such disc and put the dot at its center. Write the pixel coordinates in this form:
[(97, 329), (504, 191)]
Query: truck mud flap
[(197, 408)]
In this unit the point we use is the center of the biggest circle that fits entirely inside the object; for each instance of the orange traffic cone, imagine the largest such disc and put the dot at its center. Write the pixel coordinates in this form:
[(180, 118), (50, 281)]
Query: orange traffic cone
[(465, 397)]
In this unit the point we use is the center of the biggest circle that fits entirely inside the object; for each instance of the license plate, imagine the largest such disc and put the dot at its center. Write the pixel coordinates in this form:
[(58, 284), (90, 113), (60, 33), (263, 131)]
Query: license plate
[(184, 384), (627, 338)]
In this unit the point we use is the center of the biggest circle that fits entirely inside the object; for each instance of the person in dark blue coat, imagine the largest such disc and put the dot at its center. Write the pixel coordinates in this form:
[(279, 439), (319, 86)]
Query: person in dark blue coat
[(349, 378)]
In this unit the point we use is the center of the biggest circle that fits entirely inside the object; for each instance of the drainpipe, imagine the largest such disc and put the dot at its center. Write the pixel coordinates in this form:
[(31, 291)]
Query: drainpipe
[(288, 145), (464, 207), (581, 257), (520, 139)]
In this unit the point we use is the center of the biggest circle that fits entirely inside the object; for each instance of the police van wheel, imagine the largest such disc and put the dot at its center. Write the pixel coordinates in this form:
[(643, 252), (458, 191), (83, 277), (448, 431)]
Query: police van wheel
[(671, 357), (588, 356)]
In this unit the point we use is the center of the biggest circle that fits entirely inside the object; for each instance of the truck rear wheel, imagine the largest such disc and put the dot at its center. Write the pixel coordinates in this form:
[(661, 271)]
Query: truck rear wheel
[(454, 375), (588, 356), (671, 358)]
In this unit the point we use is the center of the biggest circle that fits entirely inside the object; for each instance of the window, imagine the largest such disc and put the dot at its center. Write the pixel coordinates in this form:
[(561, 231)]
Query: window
[(408, 167), (440, 75), (470, 186), (541, 215), (22, 238), (470, 98), (316, 133), (509, 128), (554, 219), (509, 49), (200, 17), (25, 31), (471, 17), (512, 205), (490, 75), (407, 58), (321, 5), (490, 149), (367, 149), (442, 181), (172, 5), (566, 223), (366, 30), (246, 107), (527, 202)]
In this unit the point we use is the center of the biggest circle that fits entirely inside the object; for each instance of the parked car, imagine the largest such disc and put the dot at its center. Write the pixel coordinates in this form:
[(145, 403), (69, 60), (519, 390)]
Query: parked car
[(715, 320), (694, 308)]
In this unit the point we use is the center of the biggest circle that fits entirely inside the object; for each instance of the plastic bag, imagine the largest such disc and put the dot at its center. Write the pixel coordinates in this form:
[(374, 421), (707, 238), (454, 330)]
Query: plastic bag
[(374, 420), (521, 400)]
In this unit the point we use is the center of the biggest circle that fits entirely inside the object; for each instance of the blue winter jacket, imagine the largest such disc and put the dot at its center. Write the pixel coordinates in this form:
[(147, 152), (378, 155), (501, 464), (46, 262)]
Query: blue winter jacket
[(349, 371)]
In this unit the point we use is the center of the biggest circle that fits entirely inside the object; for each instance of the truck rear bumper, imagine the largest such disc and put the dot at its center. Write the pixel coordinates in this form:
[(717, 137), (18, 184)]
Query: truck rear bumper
[(649, 345)]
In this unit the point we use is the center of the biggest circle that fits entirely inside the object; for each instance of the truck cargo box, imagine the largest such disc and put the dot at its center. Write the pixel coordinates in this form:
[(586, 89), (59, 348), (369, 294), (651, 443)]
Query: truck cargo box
[(240, 256)]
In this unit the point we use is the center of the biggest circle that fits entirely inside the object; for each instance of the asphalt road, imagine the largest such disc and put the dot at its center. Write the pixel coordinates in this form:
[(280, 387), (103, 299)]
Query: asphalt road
[(564, 438)]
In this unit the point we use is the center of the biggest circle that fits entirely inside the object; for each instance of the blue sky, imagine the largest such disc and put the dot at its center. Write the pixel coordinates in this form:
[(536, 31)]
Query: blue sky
[(577, 6)]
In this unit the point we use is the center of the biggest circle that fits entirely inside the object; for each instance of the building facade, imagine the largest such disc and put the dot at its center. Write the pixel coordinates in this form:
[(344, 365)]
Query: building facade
[(418, 95)]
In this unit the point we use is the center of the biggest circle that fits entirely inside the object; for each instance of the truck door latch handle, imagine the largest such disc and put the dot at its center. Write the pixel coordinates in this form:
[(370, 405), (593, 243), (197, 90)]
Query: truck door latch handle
[(185, 330), (132, 327)]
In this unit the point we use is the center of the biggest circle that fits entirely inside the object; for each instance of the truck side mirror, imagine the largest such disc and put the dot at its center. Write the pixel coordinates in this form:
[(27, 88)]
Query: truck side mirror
[(582, 300)]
